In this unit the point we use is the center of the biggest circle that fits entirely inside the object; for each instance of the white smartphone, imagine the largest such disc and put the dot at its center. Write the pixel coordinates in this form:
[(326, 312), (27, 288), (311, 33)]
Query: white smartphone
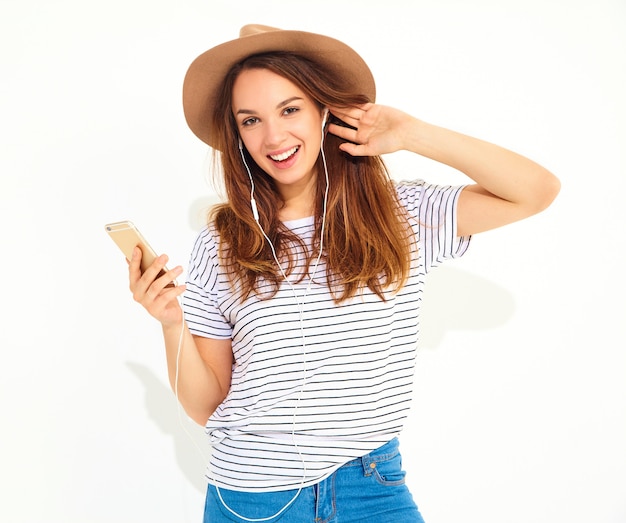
[(127, 237)]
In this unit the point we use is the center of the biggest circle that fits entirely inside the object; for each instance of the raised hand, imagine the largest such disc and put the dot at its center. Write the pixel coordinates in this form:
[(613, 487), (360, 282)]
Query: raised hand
[(378, 129)]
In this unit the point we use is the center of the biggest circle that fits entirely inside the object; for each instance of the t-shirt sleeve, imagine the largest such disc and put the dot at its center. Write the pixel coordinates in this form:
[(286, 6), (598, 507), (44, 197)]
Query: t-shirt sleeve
[(201, 299), (433, 213)]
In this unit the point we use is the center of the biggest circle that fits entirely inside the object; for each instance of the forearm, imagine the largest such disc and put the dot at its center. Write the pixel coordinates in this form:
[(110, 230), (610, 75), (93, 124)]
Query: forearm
[(196, 386), (498, 171)]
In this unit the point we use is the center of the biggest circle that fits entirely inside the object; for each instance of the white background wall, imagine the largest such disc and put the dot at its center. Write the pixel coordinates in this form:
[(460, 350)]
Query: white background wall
[(520, 411)]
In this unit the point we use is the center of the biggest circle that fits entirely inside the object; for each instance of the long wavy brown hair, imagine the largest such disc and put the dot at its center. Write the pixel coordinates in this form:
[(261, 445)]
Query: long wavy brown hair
[(366, 235)]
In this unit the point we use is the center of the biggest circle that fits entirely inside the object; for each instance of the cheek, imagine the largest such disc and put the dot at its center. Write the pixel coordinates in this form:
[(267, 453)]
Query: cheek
[(309, 133), (258, 157), (252, 146)]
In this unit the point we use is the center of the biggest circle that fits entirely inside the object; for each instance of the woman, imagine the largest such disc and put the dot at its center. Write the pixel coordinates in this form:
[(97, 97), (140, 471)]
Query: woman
[(303, 291)]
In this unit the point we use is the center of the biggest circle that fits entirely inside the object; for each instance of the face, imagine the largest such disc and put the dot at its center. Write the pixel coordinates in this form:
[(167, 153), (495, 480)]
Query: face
[(280, 127)]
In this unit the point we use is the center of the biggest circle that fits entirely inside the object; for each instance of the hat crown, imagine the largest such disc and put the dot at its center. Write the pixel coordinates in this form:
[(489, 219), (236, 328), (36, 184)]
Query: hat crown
[(254, 29)]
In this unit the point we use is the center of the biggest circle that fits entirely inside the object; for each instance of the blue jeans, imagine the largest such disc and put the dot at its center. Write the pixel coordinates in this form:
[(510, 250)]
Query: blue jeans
[(368, 488)]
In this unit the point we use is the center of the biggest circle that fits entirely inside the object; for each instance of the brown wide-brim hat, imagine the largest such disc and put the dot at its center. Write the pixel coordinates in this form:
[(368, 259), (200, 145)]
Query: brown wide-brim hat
[(206, 73)]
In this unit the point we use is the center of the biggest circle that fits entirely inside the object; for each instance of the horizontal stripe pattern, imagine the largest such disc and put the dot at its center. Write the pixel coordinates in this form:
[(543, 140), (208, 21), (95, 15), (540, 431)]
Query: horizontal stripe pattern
[(314, 384)]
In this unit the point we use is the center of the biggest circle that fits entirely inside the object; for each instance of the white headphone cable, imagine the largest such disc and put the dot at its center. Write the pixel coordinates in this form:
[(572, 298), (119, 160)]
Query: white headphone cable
[(180, 419), (300, 304), (179, 351)]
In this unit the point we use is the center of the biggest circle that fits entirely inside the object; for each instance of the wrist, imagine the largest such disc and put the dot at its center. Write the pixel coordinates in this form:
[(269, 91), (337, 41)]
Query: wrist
[(172, 328), (414, 134)]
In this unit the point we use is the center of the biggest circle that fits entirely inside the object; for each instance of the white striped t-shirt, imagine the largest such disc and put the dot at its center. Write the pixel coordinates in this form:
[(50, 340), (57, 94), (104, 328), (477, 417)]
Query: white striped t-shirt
[(314, 384)]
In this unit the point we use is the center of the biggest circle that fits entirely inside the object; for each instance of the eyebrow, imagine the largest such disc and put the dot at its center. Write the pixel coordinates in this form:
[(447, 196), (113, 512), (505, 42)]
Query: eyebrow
[(280, 105)]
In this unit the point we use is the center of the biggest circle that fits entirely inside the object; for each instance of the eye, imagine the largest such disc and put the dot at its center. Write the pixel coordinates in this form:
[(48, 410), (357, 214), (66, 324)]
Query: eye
[(249, 121), (290, 110)]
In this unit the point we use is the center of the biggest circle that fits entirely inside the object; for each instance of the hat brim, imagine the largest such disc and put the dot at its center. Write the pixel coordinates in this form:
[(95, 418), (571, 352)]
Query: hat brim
[(207, 71)]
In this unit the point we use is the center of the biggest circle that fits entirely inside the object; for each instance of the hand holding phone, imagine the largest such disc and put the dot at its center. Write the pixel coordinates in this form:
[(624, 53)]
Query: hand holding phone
[(127, 237), (163, 305)]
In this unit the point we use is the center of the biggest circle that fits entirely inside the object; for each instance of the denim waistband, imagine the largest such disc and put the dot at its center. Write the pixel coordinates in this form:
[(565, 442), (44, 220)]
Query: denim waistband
[(383, 453)]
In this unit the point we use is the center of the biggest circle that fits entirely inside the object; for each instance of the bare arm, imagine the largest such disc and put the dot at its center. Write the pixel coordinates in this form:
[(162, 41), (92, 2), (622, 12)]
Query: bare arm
[(204, 370), (508, 187), (200, 371)]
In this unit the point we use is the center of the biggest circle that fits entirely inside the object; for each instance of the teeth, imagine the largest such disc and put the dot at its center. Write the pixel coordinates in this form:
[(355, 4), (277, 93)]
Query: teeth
[(283, 156)]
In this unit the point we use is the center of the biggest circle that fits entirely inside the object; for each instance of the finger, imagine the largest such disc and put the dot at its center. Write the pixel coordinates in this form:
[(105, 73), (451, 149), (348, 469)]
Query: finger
[(169, 293), (155, 268), (134, 265), (354, 149), (158, 298), (345, 133), (355, 111), (140, 283), (165, 307), (168, 279), (351, 117)]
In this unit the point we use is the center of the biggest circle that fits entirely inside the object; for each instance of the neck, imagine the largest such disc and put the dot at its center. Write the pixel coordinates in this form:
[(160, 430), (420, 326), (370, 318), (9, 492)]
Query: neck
[(298, 202), (295, 210)]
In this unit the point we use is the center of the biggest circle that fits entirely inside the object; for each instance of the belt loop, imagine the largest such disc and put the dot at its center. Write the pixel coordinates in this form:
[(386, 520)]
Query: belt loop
[(368, 465)]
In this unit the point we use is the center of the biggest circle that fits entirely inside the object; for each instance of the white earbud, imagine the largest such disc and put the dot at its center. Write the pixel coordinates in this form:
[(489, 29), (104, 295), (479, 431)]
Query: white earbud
[(325, 118)]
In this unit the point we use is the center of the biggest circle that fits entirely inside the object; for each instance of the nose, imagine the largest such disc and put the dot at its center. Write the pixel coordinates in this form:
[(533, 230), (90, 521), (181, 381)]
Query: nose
[(274, 133)]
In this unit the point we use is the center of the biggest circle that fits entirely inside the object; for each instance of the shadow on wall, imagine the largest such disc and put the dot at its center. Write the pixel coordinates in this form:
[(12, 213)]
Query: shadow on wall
[(199, 210), (190, 441), (456, 300)]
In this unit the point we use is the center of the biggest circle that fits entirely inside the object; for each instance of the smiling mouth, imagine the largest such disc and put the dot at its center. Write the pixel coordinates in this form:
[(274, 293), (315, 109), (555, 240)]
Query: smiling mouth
[(284, 156)]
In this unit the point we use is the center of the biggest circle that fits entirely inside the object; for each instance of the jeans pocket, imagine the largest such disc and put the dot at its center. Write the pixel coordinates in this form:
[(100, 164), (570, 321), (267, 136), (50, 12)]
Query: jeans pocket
[(389, 471)]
